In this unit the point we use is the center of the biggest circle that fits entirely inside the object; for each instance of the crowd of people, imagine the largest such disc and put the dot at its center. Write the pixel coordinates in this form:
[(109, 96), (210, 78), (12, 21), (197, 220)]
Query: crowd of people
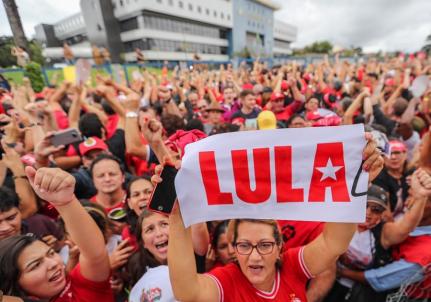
[(74, 222)]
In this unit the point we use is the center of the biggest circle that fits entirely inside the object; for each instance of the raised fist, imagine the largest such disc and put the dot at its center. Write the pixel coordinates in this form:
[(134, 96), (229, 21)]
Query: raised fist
[(52, 184)]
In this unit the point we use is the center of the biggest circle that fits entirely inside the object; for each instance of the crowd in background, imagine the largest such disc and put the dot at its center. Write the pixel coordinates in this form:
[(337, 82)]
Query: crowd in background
[(105, 245)]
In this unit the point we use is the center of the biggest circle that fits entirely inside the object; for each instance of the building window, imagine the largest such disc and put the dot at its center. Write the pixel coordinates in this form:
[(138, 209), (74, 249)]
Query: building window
[(180, 4), (174, 46), (190, 7), (207, 11), (129, 24), (222, 15), (159, 1), (121, 3), (199, 9), (171, 2), (215, 14), (165, 23), (228, 16), (99, 28)]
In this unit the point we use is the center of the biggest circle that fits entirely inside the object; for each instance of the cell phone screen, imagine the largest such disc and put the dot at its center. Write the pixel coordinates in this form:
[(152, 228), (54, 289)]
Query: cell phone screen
[(164, 194)]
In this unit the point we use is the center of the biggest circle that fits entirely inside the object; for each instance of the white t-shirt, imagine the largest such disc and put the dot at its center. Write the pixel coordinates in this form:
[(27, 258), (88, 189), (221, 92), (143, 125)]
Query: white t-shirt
[(359, 254), (154, 286)]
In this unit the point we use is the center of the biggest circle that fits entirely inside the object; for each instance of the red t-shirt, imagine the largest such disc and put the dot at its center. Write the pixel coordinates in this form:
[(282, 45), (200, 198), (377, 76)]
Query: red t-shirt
[(125, 234), (79, 289), (62, 119), (417, 250), (118, 205), (299, 233), (288, 111), (289, 286), (111, 125)]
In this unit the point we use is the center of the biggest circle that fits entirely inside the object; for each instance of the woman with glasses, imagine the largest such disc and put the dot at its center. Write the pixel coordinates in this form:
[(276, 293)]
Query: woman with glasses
[(263, 271), (371, 245), (29, 268)]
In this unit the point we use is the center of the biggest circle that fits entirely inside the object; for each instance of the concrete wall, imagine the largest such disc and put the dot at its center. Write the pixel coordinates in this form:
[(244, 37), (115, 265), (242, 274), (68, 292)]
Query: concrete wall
[(254, 17), (102, 26)]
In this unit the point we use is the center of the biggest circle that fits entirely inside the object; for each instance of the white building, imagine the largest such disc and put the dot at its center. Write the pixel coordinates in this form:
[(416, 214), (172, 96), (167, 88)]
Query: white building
[(172, 30)]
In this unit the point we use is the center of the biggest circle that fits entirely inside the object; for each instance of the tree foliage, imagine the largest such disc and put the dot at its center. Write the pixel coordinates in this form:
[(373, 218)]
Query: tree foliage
[(34, 72), (8, 60)]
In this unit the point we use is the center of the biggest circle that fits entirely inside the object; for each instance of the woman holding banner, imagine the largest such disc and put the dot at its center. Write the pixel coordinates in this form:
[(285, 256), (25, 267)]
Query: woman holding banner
[(262, 271)]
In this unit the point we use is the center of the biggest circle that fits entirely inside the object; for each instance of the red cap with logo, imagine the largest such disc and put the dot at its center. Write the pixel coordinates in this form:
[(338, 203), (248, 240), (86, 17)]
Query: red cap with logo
[(92, 143), (276, 96)]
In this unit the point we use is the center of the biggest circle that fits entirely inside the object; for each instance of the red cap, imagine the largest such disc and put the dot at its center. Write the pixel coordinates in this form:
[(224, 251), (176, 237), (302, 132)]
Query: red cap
[(39, 95), (390, 82), (247, 86), (276, 96), (396, 145), (284, 85), (307, 77), (92, 143), (180, 139)]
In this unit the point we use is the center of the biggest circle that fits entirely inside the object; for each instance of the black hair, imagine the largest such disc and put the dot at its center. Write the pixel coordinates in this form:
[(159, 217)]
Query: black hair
[(292, 117), (245, 92), (104, 156), (90, 125), (195, 124), (142, 259), (373, 75), (219, 230), (132, 218), (171, 123), (107, 107), (10, 249), (8, 199)]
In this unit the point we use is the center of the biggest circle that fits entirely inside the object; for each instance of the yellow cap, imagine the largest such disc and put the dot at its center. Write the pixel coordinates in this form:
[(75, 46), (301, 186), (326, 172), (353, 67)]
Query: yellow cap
[(266, 120)]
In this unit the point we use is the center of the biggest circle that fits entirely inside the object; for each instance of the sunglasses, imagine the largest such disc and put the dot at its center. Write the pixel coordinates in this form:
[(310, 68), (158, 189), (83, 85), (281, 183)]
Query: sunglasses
[(375, 209)]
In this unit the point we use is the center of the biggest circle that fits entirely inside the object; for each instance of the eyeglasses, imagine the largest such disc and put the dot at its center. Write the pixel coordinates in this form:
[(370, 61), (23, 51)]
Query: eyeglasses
[(246, 248), (376, 209)]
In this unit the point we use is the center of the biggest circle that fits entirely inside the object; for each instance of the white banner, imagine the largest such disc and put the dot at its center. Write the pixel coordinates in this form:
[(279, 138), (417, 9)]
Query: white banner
[(294, 174)]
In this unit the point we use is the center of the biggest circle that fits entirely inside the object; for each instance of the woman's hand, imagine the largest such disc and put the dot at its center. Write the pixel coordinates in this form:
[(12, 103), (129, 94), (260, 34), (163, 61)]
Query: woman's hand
[(373, 160), (421, 183), (121, 254), (52, 184)]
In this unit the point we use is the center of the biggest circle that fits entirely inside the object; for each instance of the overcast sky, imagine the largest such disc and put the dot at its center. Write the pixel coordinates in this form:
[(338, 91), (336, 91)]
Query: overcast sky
[(373, 24)]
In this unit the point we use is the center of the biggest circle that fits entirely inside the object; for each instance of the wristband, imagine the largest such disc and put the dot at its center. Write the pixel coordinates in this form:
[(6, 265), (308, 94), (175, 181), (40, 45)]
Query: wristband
[(131, 114)]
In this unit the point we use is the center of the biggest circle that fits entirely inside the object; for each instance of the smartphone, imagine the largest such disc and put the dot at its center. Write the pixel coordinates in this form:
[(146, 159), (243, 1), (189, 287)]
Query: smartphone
[(164, 195), (66, 137)]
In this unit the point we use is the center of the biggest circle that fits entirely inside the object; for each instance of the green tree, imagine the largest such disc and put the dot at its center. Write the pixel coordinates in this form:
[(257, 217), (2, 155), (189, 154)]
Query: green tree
[(34, 72), (6, 58), (319, 47), (36, 52)]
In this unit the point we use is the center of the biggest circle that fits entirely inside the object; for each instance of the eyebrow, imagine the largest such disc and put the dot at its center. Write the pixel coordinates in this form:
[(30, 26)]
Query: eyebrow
[(37, 259)]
